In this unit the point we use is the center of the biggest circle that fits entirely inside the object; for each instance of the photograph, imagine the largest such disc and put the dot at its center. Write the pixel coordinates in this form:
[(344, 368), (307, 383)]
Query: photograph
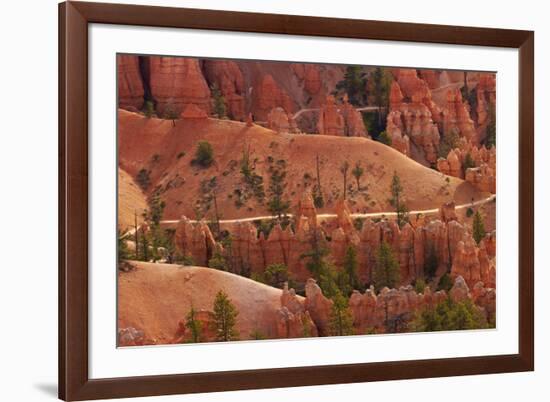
[(269, 200)]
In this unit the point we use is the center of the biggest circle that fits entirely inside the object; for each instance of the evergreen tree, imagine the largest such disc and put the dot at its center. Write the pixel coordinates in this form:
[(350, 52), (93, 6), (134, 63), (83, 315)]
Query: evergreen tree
[(491, 136), (153, 217), (350, 280), (448, 315), (396, 200), (317, 191), (225, 314), (277, 205), (478, 228), (431, 263), (354, 84), (344, 170), (378, 86), (193, 325), (322, 270), (358, 172), (218, 102), (386, 271), (276, 275), (340, 319)]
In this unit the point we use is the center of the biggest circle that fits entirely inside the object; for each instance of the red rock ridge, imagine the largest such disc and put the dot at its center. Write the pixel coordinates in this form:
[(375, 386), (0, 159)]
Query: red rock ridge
[(130, 85)]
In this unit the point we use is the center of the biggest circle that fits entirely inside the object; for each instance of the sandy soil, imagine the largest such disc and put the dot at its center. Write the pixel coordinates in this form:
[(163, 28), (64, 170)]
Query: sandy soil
[(131, 200), (154, 297), (166, 150)]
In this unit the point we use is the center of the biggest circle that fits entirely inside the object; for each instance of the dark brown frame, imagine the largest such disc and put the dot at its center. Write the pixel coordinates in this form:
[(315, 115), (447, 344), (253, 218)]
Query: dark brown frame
[(74, 382)]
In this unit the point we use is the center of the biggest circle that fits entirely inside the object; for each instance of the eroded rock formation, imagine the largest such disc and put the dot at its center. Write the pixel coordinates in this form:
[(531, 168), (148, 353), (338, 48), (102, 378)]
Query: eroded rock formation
[(412, 120), (341, 120), (176, 82), (228, 77), (130, 85), (281, 121), (267, 95)]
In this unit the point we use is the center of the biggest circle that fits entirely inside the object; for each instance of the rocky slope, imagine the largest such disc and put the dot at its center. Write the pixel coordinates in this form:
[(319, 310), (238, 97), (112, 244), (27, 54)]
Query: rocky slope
[(131, 201), (163, 151)]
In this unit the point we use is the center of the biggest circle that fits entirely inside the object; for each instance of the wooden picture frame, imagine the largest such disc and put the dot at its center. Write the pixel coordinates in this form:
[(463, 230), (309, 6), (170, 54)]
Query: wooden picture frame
[(74, 381)]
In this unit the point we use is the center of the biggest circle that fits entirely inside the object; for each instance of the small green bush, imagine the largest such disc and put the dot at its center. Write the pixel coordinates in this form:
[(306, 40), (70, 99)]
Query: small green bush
[(204, 156)]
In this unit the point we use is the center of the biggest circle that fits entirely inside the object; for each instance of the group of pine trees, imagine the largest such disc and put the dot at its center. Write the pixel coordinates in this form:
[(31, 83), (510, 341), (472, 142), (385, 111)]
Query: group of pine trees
[(223, 324)]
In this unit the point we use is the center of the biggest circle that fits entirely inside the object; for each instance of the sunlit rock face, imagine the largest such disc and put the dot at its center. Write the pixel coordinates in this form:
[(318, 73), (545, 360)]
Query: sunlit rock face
[(176, 82), (130, 85)]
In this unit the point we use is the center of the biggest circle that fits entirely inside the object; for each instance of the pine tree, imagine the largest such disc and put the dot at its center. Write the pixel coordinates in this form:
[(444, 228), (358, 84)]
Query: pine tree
[(491, 136), (396, 200), (219, 102), (344, 170), (193, 325), (431, 263), (478, 227), (354, 84), (225, 314), (358, 172), (350, 271), (153, 217), (340, 319), (378, 86), (322, 270), (276, 275), (317, 191), (277, 205), (386, 271)]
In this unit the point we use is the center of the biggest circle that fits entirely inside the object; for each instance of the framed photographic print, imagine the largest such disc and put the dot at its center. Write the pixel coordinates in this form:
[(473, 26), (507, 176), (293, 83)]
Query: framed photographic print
[(260, 200)]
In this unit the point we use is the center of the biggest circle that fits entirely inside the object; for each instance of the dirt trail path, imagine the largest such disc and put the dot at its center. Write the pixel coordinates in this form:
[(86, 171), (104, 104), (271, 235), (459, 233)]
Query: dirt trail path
[(354, 215)]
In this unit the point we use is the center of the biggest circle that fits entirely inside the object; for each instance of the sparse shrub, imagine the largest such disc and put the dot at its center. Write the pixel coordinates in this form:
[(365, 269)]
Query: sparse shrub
[(218, 261), (419, 285), (149, 109), (257, 335), (469, 212), (358, 223), (204, 155), (468, 162), (143, 178), (186, 260), (276, 275), (445, 283), (181, 155), (385, 138)]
